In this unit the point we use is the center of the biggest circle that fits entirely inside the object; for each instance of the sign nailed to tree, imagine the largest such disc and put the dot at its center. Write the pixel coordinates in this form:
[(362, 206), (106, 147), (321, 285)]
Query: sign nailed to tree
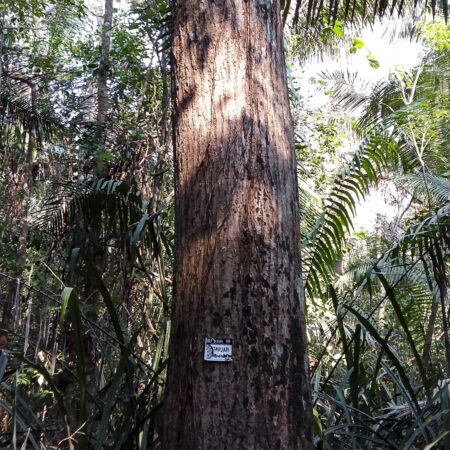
[(218, 350)]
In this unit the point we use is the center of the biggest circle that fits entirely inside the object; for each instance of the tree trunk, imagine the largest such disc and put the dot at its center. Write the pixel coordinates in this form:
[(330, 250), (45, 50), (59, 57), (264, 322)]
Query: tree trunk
[(237, 262), (102, 82), (429, 334)]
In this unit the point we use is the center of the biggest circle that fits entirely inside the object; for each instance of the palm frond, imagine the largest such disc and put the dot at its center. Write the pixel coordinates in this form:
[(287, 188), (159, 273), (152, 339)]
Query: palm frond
[(325, 243), (357, 11), (349, 91), (16, 107), (424, 185), (90, 198), (310, 206), (112, 207)]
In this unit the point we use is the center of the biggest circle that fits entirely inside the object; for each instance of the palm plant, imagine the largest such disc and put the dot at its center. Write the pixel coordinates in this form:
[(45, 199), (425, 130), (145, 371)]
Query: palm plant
[(393, 305), (95, 367)]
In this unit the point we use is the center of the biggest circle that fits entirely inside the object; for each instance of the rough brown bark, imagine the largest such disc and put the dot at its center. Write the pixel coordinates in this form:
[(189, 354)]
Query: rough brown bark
[(237, 271)]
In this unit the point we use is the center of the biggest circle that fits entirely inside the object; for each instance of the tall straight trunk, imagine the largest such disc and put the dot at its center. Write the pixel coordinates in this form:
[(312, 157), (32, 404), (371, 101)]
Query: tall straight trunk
[(102, 82), (88, 234), (237, 262)]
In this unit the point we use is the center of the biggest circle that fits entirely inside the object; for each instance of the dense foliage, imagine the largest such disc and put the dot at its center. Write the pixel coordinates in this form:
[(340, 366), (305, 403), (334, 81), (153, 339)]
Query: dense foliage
[(86, 234)]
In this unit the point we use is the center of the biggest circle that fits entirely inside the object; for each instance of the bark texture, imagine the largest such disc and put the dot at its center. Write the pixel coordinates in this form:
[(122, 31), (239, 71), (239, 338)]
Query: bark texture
[(237, 235)]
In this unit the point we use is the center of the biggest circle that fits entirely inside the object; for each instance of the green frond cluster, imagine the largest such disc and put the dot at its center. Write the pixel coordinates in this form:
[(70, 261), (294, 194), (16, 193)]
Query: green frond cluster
[(325, 243)]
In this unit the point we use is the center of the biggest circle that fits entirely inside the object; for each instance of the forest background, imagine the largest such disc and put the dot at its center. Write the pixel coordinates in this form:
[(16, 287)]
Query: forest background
[(86, 230)]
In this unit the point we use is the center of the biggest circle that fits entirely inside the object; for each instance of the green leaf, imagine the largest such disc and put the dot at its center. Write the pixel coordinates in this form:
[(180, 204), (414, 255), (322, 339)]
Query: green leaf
[(48, 378), (65, 297), (137, 236), (337, 29), (74, 307), (404, 323), (114, 390), (357, 44), (98, 281), (373, 62), (386, 348)]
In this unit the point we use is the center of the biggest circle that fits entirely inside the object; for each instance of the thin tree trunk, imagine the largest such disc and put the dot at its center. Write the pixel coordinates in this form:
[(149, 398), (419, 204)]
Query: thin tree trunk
[(89, 234), (429, 334), (237, 268), (439, 267), (429, 329), (102, 82)]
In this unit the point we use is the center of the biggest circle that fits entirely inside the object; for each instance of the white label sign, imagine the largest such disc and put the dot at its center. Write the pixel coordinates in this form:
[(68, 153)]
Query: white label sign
[(218, 350)]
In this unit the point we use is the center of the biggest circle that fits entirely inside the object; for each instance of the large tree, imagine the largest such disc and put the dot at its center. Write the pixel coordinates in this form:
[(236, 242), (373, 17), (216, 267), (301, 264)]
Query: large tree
[(237, 268)]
